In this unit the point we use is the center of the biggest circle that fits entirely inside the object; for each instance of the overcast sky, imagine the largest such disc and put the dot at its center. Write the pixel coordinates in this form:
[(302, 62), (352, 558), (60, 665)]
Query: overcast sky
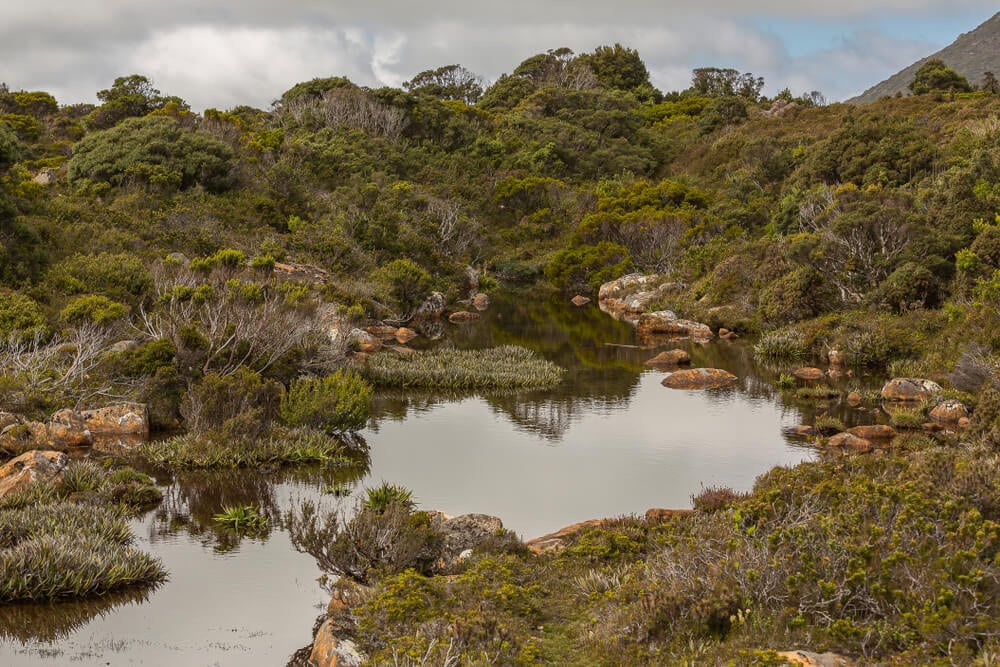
[(216, 53)]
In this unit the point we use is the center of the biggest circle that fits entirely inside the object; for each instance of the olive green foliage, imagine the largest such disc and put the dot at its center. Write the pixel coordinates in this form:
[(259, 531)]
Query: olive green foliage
[(129, 96), (909, 286), (10, 147), (450, 82), (381, 497), (407, 281), (781, 345), (500, 368), (93, 308), (936, 77), (241, 405), (155, 152), (243, 519), (20, 317), (121, 277), (338, 402), (587, 267)]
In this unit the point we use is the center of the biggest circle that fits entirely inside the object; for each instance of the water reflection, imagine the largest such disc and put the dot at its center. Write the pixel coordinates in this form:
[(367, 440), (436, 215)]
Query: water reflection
[(51, 622)]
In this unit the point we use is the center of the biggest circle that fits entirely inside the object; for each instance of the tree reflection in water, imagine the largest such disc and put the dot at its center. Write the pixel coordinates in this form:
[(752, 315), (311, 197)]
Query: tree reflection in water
[(52, 622)]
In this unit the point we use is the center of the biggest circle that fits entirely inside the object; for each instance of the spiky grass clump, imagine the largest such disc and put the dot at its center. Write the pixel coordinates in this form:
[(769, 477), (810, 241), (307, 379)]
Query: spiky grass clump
[(781, 345), (124, 485), (381, 497), (295, 446), (62, 550), (243, 519), (507, 367)]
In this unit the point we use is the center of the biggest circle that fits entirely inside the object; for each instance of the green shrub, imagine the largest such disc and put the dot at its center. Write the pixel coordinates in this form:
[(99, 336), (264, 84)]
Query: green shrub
[(92, 308), (121, 277), (505, 368), (21, 317), (239, 405), (243, 520), (910, 286), (781, 345), (586, 268), (407, 281), (381, 497), (338, 402)]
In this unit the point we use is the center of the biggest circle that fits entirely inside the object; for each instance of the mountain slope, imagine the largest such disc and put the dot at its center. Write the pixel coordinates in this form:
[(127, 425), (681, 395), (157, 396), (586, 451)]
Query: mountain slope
[(970, 55)]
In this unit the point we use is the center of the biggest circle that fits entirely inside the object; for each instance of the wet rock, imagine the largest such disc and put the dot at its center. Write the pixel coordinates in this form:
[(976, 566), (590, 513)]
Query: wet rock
[(810, 659), (699, 378), (964, 422), (666, 322), (431, 329), (433, 306), (329, 651), (910, 389), (23, 437), (874, 432), (809, 374), (854, 399), (462, 317), (949, 411), (801, 431), (31, 468), (837, 360), (670, 358), (404, 335), (481, 301), (726, 334), (382, 331), (364, 341), (849, 441), (9, 419), (579, 301)]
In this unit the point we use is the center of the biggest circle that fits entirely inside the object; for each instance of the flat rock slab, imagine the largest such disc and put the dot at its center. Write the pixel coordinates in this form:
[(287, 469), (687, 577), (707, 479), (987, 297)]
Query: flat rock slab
[(699, 378), (950, 411)]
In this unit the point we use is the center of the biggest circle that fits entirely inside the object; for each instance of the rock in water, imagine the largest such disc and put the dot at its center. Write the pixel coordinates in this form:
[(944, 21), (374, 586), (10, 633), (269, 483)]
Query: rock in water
[(950, 411), (579, 301), (670, 358), (808, 374), (462, 317), (910, 389), (699, 378)]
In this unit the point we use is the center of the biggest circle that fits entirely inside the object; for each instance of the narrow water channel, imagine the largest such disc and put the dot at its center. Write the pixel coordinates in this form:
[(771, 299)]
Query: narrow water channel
[(609, 441)]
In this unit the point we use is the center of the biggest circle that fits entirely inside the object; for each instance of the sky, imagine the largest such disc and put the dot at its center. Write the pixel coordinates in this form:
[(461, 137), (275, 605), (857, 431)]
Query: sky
[(223, 53)]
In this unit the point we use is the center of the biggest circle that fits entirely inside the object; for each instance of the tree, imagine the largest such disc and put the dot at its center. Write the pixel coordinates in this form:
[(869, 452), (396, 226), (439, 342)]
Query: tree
[(450, 82), (934, 76), (989, 83), (156, 152), (129, 96), (715, 82), (617, 68)]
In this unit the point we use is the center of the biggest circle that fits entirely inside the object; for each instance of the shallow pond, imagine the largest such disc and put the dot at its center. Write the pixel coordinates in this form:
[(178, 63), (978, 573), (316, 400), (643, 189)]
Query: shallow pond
[(609, 441)]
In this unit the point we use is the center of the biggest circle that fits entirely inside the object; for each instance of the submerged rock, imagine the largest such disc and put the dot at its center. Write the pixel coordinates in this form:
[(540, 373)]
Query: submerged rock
[(854, 399), (382, 331), (433, 306), (481, 301), (849, 441), (873, 432), (699, 378), (670, 358), (579, 301), (666, 322), (364, 341), (404, 335), (31, 468), (910, 389), (463, 316), (809, 374)]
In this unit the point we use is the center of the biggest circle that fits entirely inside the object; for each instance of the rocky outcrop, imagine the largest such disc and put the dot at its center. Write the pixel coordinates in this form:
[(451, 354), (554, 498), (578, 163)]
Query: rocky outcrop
[(404, 335), (433, 306), (382, 331), (849, 441), (31, 468), (480, 301), (26, 436), (463, 317), (70, 428), (910, 389), (810, 659), (699, 378), (949, 412), (873, 432), (329, 651), (631, 295), (666, 322), (461, 534), (118, 419), (670, 358), (362, 341), (579, 301), (809, 374)]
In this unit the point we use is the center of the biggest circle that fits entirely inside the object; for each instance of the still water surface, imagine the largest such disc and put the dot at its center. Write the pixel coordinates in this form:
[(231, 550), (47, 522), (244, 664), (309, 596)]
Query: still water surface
[(609, 441)]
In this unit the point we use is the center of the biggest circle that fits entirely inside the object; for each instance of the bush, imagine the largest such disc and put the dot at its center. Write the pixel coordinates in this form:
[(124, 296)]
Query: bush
[(910, 286), (239, 405), (793, 297), (338, 402), (586, 268), (20, 317), (121, 277), (92, 308), (407, 281), (781, 345)]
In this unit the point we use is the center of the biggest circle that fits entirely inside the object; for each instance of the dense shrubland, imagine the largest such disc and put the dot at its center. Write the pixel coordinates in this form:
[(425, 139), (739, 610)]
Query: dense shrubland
[(871, 230)]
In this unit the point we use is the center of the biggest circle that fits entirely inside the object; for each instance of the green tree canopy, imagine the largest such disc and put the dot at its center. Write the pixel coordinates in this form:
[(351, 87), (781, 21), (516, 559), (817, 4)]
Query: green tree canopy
[(154, 151), (129, 96), (935, 76), (617, 67), (451, 82), (716, 82)]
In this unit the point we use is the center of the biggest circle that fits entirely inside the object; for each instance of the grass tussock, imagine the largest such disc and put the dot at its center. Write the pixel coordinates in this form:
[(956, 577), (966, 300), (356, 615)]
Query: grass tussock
[(280, 446), (52, 548), (505, 368)]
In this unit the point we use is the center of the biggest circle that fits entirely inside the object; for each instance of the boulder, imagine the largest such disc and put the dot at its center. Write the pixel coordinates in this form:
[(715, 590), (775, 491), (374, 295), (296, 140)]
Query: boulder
[(117, 419), (670, 358), (854, 399), (20, 438), (836, 359), (631, 295), (801, 431), (46, 176), (433, 306), (364, 341), (462, 317), (382, 331), (31, 468), (481, 301), (910, 389), (810, 659), (950, 411), (849, 441), (873, 432), (464, 532), (809, 374), (666, 322), (9, 419), (404, 335), (559, 540), (328, 651), (579, 301), (699, 378)]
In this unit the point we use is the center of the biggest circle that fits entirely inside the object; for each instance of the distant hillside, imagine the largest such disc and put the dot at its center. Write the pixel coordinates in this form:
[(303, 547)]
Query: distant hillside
[(971, 54)]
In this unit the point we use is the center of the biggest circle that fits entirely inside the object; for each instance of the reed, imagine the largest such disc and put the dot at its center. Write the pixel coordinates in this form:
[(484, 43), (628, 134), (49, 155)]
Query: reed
[(503, 368)]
